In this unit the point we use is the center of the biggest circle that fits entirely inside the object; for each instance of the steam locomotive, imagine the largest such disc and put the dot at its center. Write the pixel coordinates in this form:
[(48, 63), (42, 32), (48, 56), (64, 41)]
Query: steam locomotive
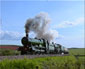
[(40, 46)]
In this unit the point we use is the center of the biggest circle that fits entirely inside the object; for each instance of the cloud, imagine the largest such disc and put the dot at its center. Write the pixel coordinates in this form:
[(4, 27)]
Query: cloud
[(66, 24), (10, 35)]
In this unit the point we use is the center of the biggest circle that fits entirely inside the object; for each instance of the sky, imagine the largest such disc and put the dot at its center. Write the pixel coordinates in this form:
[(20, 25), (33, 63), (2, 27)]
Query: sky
[(67, 18)]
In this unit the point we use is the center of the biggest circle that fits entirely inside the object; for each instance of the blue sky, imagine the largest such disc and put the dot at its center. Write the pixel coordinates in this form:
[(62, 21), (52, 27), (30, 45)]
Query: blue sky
[(67, 18)]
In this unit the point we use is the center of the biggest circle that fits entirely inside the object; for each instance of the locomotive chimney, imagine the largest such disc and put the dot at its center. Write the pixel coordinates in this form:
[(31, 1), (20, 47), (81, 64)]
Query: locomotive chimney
[(26, 31), (27, 35)]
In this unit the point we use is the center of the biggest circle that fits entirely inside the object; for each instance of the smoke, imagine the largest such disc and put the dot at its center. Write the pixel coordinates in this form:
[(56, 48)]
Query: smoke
[(40, 26)]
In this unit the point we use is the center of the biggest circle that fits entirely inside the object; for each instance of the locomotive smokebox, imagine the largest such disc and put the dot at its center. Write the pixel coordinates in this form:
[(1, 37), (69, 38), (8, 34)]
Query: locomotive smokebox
[(24, 41)]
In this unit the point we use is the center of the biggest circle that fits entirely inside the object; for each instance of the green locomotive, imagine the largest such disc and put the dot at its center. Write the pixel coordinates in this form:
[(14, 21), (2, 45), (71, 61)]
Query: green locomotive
[(40, 46)]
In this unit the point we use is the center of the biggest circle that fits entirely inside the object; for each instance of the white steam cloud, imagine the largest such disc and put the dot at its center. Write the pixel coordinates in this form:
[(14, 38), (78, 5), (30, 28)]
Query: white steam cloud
[(40, 26), (76, 22)]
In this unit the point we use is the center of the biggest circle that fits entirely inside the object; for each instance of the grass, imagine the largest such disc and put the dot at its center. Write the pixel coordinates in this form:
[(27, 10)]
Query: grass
[(79, 51), (65, 62)]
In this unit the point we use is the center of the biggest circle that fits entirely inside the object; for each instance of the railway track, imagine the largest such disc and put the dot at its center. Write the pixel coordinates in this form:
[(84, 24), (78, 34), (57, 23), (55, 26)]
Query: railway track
[(30, 56)]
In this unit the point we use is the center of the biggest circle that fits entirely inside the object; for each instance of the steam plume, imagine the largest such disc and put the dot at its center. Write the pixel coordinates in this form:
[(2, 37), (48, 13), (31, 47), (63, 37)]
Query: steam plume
[(40, 26)]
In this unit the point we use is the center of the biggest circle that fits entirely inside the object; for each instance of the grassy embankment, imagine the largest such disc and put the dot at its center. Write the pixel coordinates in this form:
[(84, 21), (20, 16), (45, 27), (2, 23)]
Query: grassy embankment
[(64, 62)]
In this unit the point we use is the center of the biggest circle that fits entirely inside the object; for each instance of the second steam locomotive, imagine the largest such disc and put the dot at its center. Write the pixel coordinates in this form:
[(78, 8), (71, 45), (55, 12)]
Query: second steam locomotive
[(40, 46)]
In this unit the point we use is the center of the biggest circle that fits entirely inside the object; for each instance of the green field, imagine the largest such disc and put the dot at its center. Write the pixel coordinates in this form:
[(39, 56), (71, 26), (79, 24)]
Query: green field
[(7, 52), (77, 51)]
